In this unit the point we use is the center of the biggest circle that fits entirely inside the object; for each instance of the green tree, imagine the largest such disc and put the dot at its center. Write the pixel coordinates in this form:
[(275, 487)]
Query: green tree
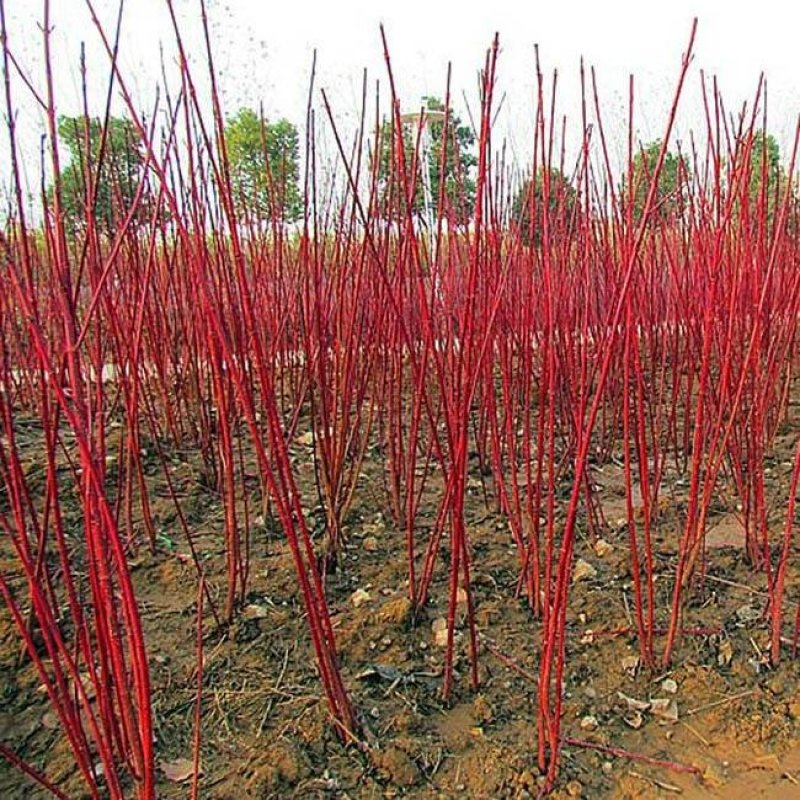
[(562, 206), (456, 179), (668, 197), (765, 171), (115, 179), (264, 166)]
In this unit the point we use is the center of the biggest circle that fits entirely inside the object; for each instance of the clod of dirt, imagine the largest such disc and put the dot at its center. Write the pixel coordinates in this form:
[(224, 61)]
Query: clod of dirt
[(394, 765), (396, 611), (481, 710), (603, 548), (282, 765), (712, 777)]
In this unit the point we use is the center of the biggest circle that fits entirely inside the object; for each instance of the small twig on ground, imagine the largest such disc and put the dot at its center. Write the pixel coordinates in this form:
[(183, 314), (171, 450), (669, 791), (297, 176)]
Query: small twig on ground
[(721, 702), (667, 787)]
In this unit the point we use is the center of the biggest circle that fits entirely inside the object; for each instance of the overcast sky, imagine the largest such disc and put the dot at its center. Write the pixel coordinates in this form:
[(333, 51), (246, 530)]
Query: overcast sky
[(263, 52)]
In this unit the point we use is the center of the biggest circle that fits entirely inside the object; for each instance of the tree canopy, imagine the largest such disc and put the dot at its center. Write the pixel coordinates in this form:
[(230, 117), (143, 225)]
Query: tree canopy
[(668, 197), (764, 173), (456, 180), (264, 164), (528, 207), (115, 179)]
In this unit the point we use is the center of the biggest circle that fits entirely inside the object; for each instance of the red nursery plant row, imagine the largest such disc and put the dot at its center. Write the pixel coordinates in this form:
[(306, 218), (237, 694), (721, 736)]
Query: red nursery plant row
[(596, 321)]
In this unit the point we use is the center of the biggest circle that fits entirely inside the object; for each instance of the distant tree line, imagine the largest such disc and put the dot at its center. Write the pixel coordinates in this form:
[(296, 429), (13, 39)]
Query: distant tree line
[(106, 167)]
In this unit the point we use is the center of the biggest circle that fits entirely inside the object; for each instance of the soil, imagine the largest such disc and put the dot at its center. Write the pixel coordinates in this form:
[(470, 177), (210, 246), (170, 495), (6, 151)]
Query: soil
[(266, 729)]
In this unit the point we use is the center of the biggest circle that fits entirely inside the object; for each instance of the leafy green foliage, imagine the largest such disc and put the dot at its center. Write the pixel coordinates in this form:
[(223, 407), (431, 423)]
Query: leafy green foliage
[(765, 175), (114, 179), (264, 166), (668, 197), (455, 179), (528, 207)]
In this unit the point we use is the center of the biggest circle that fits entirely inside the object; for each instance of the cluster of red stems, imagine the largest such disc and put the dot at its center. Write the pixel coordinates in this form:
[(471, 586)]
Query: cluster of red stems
[(668, 338)]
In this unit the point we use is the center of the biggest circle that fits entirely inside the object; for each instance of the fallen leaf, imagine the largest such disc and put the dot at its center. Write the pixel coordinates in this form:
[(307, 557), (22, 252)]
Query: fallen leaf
[(179, 770), (669, 685), (725, 653), (634, 719), (630, 664), (747, 613), (439, 628), (634, 704), (665, 707), (305, 439)]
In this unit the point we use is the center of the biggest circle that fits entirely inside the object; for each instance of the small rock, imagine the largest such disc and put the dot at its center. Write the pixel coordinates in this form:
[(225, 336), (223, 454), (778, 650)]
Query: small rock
[(359, 597), (370, 544), (583, 571), (255, 611), (607, 767), (589, 723), (575, 789)]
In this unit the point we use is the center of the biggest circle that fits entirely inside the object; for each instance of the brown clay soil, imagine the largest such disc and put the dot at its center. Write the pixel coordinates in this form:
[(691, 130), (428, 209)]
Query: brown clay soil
[(266, 731)]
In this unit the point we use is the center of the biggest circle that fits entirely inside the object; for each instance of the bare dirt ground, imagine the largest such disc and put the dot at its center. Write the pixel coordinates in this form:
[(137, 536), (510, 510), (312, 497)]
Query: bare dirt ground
[(266, 732)]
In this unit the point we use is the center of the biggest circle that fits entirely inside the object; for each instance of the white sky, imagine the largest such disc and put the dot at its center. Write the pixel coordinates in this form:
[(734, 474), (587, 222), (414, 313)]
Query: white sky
[(263, 51)]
